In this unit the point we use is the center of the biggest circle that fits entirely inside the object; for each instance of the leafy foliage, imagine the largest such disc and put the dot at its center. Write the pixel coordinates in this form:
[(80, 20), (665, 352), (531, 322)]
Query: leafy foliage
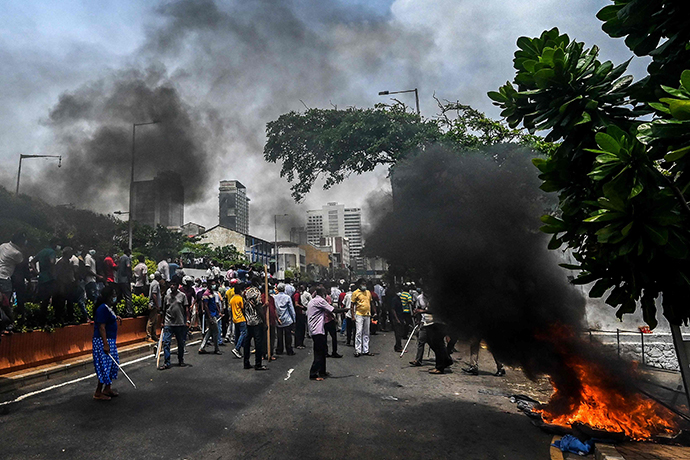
[(336, 143), (621, 181)]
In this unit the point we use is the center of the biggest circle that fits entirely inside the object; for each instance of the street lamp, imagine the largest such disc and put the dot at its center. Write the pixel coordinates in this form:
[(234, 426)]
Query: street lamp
[(275, 226), (416, 95), (21, 157), (131, 181)]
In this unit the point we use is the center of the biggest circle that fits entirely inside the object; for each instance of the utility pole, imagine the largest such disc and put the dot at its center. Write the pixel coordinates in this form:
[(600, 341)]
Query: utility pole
[(22, 157), (416, 96)]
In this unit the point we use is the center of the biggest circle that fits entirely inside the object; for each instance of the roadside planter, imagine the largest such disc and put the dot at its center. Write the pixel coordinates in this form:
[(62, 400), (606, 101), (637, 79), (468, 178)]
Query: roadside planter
[(36, 348)]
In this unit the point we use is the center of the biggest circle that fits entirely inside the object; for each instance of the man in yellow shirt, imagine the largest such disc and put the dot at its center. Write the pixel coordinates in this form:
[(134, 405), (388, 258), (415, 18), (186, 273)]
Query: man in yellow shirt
[(361, 311), (238, 319)]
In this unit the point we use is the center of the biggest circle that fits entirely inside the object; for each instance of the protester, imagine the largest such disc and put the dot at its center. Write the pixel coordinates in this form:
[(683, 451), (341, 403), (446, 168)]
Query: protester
[(47, 284), (473, 368), (10, 256), (396, 312), (406, 300), (109, 267), (317, 310), (140, 272), (238, 319), (421, 308), (91, 277), (155, 304), (286, 319), (269, 302), (361, 311), (176, 312), (255, 319), (349, 320), (105, 344), (164, 270), (64, 296), (212, 312), (124, 280), (300, 299)]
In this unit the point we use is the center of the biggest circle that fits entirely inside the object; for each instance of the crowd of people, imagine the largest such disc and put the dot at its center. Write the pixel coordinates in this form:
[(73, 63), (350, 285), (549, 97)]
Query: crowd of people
[(239, 308)]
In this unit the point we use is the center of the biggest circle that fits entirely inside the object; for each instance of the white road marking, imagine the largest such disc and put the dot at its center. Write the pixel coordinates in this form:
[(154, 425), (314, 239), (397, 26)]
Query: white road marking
[(289, 373), (53, 387)]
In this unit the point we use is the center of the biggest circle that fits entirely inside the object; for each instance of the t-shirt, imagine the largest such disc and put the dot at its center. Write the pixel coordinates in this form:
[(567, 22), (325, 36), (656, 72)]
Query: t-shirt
[(124, 269), (10, 257), (140, 271), (109, 269), (237, 306), (155, 289), (164, 270), (228, 296), (90, 269), (252, 310), (362, 302), (46, 260), (406, 300), (105, 315), (176, 309), (172, 269), (210, 299), (64, 271)]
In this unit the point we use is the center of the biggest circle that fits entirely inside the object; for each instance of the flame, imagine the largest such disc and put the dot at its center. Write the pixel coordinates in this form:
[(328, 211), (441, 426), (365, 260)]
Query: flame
[(605, 404)]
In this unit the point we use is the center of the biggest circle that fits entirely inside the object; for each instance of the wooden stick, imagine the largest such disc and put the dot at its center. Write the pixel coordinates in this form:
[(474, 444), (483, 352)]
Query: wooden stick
[(268, 314), (160, 345)]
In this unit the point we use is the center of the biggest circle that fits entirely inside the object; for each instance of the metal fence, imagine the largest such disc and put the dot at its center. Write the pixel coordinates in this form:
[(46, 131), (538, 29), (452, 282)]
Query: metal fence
[(638, 344)]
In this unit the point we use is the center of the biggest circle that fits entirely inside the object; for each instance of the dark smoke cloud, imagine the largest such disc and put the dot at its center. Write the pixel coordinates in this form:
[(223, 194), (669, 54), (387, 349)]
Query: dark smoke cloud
[(469, 223), (93, 127), (217, 72)]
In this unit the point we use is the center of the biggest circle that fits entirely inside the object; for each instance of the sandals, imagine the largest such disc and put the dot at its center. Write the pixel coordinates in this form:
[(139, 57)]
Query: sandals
[(112, 393), (101, 397), (436, 371)]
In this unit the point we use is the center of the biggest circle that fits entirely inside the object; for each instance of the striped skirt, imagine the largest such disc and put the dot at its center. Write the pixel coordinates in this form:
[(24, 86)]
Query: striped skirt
[(106, 370)]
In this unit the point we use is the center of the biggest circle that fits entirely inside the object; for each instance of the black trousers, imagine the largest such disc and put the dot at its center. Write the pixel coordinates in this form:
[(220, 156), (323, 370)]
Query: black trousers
[(300, 329), (284, 338), (318, 367), (399, 329), (257, 333), (331, 330), (435, 336)]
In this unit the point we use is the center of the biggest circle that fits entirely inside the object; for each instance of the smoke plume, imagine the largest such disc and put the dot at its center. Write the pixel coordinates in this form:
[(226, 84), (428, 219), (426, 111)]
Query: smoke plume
[(468, 224)]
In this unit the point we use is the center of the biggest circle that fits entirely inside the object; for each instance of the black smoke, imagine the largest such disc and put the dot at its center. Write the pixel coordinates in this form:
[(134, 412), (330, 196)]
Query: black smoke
[(468, 225), (93, 126)]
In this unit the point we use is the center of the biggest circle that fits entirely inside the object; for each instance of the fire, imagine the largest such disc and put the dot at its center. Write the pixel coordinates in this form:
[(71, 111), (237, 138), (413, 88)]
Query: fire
[(604, 404)]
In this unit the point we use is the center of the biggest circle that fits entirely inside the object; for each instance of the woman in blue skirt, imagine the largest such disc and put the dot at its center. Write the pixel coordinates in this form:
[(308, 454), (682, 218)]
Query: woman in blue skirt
[(104, 337)]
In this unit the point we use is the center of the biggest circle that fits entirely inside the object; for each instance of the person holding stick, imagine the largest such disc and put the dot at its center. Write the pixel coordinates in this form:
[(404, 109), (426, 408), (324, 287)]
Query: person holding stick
[(104, 343), (317, 310)]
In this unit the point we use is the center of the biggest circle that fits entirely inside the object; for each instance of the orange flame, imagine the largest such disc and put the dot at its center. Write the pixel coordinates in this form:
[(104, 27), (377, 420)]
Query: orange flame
[(602, 408)]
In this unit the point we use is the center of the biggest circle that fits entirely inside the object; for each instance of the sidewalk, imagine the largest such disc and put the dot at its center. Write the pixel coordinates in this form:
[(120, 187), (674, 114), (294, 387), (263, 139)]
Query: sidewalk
[(627, 451), (81, 365)]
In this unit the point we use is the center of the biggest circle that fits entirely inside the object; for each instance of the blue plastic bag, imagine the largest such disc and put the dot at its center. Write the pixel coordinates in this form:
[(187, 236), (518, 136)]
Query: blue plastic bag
[(570, 443)]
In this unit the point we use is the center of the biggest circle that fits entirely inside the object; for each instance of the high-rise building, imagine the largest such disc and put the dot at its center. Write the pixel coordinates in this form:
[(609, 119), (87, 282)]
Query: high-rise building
[(334, 220), (233, 206), (159, 201)]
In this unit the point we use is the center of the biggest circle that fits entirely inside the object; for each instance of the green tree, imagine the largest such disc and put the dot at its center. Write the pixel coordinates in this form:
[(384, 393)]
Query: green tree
[(335, 143), (621, 179)]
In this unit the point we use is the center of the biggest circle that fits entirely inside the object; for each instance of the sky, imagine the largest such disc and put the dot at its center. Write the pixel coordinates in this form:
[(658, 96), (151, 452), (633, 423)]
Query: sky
[(77, 74)]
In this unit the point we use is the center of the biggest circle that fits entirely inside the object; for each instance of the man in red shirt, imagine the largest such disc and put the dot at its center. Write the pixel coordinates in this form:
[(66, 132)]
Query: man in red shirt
[(109, 267)]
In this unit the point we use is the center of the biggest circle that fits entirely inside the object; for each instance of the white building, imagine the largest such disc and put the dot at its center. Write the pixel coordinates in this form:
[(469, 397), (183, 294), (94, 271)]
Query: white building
[(334, 220)]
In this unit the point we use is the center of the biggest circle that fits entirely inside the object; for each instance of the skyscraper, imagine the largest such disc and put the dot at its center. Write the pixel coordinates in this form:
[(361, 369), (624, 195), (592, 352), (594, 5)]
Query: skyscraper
[(159, 201), (334, 220), (233, 206)]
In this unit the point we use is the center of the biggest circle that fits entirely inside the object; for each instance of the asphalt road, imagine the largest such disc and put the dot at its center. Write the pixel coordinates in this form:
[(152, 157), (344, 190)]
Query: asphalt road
[(373, 407)]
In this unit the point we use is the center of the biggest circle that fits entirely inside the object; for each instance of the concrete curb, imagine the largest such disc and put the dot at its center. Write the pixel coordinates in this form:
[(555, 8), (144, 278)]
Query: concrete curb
[(57, 371), (606, 452)]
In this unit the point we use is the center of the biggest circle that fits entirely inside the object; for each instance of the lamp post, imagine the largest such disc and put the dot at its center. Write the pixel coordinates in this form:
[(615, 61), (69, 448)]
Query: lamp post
[(416, 95), (22, 157), (131, 181), (275, 226)]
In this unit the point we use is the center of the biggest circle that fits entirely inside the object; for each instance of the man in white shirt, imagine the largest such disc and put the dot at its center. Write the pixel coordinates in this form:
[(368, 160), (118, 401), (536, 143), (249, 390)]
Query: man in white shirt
[(140, 272), (91, 276), (10, 256), (164, 270)]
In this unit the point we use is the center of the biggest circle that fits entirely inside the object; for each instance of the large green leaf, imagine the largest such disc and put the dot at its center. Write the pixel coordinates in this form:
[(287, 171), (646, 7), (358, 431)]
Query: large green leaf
[(680, 109), (607, 143)]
